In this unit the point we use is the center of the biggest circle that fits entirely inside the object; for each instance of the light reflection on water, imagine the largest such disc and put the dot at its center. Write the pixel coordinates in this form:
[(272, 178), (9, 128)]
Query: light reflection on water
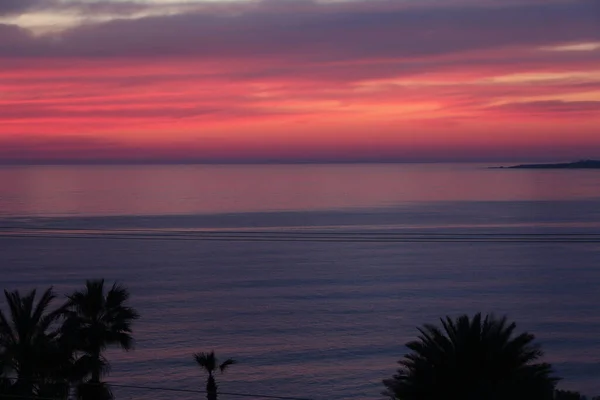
[(206, 189), (312, 319)]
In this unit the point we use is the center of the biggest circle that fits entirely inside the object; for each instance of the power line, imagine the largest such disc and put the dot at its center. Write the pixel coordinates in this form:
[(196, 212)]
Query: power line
[(301, 231), (351, 237), (31, 397), (263, 396), (159, 388), (294, 231)]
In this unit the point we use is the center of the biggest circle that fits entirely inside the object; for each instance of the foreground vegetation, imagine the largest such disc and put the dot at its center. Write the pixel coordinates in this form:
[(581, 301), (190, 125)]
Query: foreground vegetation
[(59, 352), (478, 358), (209, 363), (46, 352)]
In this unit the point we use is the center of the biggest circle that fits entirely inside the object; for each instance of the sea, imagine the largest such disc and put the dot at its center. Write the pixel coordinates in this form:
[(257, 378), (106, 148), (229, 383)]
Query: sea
[(312, 277)]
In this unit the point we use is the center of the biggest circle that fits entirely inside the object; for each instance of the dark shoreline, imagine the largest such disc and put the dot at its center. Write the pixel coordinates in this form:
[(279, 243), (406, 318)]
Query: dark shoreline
[(583, 164)]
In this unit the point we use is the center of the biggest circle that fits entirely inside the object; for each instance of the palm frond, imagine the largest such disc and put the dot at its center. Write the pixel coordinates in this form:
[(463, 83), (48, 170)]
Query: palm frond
[(207, 361), (117, 296), (226, 364), (42, 306), (28, 340), (96, 319), (86, 364), (7, 333), (478, 357)]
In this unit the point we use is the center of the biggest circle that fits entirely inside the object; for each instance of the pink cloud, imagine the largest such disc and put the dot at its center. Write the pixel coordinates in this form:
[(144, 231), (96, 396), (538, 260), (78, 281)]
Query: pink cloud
[(554, 107), (363, 80)]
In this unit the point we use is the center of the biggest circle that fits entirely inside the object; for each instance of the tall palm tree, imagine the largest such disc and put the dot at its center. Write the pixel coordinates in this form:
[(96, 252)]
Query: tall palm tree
[(97, 319), (29, 351), (472, 359), (209, 363)]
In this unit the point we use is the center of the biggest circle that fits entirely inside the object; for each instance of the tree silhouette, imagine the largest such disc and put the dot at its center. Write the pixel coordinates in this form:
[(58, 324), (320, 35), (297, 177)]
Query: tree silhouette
[(97, 319), (567, 395), (472, 359), (29, 349), (209, 363)]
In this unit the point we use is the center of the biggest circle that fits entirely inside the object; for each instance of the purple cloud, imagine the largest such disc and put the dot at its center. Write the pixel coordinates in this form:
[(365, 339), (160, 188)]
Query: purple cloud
[(15, 7), (305, 31)]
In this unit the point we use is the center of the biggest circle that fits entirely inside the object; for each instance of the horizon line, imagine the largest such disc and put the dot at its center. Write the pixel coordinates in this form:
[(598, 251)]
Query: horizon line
[(125, 162)]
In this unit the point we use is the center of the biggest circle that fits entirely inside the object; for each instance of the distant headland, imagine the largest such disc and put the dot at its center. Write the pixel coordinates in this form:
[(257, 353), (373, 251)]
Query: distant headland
[(583, 164)]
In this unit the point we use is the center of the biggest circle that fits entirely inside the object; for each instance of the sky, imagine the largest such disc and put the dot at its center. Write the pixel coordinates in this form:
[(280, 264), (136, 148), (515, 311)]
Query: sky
[(299, 80)]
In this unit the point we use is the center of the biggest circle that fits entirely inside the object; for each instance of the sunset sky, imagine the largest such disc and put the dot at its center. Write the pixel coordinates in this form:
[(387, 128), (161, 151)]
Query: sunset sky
[(298, 80)]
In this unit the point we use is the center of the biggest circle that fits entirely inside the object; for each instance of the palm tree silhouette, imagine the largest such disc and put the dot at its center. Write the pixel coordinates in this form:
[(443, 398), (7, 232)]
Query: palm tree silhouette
[(472, 359), (29, 349), (209, 363), (97, 319)]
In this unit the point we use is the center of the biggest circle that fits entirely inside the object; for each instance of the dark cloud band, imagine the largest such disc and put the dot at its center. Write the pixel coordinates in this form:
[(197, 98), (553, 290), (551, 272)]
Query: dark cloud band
[(306, 31)]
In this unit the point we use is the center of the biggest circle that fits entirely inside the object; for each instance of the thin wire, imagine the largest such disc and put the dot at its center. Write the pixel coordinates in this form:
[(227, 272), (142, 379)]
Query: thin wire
[(264, 396), (17, 396), (166, 389), (295, 236), (264, 233), (20, 396), (448, 238)]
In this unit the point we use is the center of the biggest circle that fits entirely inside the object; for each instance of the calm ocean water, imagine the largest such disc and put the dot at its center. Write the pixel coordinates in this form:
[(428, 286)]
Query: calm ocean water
[(324, 311)]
